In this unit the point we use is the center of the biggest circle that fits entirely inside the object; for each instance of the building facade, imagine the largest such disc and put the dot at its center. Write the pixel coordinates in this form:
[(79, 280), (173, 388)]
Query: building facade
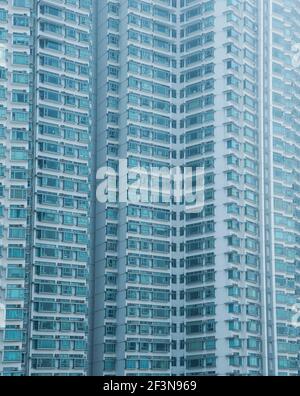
[(45, 185), (105, 269), (211, 85), (280, 140)]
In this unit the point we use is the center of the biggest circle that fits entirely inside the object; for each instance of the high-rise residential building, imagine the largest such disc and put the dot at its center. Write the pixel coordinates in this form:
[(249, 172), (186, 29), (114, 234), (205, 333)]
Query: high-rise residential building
[(280, 144), (45, 133), (215, 85), (105, 266)]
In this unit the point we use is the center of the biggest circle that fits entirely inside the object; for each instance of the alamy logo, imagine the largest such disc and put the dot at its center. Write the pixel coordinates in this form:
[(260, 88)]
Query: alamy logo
[(138, 185)]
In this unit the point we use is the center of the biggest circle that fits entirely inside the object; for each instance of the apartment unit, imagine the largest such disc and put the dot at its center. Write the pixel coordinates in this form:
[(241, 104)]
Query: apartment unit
[(45, 75), (210, 85)]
